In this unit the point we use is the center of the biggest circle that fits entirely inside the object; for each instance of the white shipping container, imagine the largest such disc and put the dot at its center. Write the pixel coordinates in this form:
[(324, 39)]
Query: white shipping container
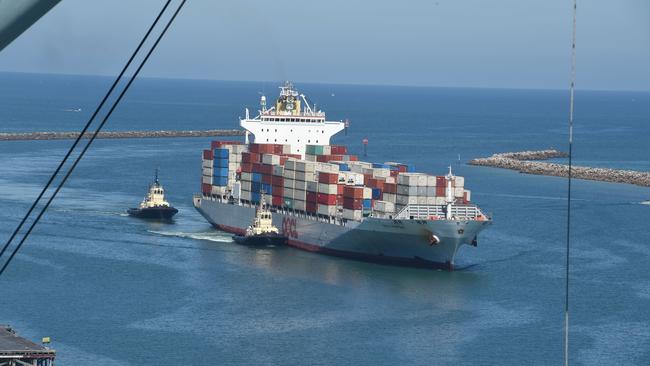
[(271, 159), (327, 188), (380, 173), (431, 200), (286, 149), (219, 191), (305, 166), (246, 185), (367, 193), (409, 179), (232, 167), (352, 214), (390, 197), (431, 191), (289, 183), (206, 179), (311, 158), (208, 171), (406, 200), (207, 163), (459, 182), (422, 200), (440, 201), (300, 184), (288, 173), (422, 191), (390, 179), (299, 195), (468, 193), (384, 206), (236, 190), (458, 192), (278, 170), (357, 169), (299, 204), (290, 164), (422, 180), (353, 179), (312, 186), (247, 176), (246, 195), (326, 210), (407, 190), (431, 181)]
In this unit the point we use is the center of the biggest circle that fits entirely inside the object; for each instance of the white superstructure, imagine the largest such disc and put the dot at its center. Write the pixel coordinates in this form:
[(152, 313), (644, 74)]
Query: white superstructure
[(156, 195), (292, 120)]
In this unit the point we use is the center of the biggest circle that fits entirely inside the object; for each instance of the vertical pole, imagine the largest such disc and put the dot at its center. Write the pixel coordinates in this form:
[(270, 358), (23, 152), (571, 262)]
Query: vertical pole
[(568, 224)]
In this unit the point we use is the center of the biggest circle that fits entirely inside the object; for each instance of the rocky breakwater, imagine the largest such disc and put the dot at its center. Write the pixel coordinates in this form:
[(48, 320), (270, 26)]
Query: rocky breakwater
[(528, 162), (117, 134)]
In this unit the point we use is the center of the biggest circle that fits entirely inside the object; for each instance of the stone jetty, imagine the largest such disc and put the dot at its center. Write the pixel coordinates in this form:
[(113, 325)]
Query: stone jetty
[(117, 134), (528, 162)]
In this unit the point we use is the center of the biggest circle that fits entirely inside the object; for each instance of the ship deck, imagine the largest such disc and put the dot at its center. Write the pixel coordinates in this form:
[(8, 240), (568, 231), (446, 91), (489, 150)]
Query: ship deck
[(16, 350)]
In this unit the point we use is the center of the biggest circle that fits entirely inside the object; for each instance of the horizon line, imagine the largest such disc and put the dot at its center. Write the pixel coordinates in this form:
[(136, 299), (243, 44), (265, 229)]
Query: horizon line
[(326, 83)]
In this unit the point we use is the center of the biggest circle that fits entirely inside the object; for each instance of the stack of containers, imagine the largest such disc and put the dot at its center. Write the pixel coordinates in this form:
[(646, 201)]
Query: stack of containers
[(353, 202), (206, 172), (328, 190), (220, 170), (277, 188)]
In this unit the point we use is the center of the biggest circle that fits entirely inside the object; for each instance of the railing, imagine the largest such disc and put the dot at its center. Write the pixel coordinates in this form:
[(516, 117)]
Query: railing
[(462, 212)]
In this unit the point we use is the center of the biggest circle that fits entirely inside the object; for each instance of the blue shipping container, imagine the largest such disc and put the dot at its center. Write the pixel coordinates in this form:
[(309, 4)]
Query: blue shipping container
[(367, 204), (344, 167), (220, 172), (376, 193), (266, 188), (377, 165), (256, 186), (255, 197), (221, 153), (220, 181), (257, 177), (220, 162)]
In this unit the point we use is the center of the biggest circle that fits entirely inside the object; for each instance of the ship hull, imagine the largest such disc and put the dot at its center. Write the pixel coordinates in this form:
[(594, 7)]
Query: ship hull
[(154, 213), (418, 243)]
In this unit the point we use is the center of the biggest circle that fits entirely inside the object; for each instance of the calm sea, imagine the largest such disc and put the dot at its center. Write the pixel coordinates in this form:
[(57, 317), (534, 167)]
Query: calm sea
[(113, 290)]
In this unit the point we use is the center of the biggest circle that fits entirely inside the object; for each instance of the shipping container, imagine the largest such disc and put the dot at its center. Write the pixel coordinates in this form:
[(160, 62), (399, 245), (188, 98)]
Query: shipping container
[(328, 210), (206, 188), (353, 203), (311, 207), (328, 178), (326, 199), (353, 192), (349, 214)]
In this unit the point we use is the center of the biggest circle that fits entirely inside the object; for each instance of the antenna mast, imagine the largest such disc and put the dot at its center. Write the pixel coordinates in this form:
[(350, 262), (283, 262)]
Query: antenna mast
[(568, 223)]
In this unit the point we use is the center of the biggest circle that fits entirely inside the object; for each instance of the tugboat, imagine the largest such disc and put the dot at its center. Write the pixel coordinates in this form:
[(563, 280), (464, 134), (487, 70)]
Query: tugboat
[(154, 206), (261, 232)]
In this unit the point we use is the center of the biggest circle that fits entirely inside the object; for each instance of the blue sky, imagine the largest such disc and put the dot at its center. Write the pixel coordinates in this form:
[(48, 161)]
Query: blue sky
[(464, 43)]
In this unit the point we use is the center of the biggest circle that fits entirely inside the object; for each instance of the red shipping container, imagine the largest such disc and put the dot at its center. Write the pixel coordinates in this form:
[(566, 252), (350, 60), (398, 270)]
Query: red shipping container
[(352, 203), (352, 192), (208, 155), (220, 143), (465, 200), (267, 169), (327, 199), (278, 181), (394, 173), (267, 179), (339, 189), (312, 197), (250, 157), (441, 181), (390, 188), (277, 200), (339, 150), (353, 158), (206, 188), (440, 191), (247, 167), (278, 190), (328, 178), (257, 167), (283, 159), (402, 168), (311, 207)]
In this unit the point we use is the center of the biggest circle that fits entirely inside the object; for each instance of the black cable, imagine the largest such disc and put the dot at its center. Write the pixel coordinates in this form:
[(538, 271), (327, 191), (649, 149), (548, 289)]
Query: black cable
[(83, 152), (83, 131)]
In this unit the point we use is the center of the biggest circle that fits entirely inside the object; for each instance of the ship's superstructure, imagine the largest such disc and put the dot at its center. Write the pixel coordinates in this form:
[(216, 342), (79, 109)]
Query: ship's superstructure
[(326, 200), (291, 121)]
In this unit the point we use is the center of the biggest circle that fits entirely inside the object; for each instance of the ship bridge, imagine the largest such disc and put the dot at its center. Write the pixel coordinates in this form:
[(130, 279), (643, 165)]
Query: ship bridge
[(292, 120)]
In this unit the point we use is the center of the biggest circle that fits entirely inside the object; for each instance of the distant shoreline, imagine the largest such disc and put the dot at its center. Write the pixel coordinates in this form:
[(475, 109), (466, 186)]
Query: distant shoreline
[(524, 162), (116, 135)]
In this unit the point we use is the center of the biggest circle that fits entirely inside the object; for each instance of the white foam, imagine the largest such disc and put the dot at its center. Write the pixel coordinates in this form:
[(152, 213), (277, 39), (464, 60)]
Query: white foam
[(209, 236)]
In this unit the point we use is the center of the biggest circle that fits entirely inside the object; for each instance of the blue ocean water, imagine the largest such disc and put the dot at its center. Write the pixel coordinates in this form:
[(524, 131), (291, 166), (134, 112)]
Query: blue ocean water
[(112, 290)]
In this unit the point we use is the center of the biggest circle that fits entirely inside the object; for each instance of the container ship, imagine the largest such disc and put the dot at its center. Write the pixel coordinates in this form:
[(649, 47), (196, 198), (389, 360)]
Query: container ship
[(326, 200)]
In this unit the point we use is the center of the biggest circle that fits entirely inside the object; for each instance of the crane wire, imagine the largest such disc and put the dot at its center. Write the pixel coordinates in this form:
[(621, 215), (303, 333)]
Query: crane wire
[(83, 131), (101, 125), (568, 217)]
